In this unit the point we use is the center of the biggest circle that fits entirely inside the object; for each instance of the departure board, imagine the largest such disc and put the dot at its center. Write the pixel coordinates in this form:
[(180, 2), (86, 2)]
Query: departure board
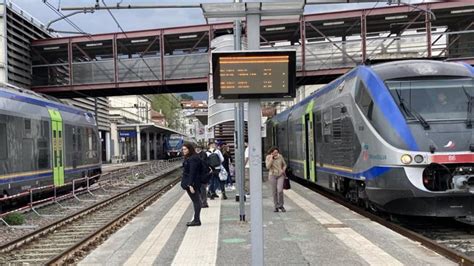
[(254, 74)]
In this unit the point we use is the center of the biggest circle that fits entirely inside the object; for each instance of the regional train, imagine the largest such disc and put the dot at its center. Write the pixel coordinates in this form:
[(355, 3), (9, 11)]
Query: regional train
[(44, 142), (173, 145), (396, 137)]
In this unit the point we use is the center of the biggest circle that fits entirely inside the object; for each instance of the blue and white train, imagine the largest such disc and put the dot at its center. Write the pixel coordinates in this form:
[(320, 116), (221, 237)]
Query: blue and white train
[(44, 142), (395, 136), (174, 143)]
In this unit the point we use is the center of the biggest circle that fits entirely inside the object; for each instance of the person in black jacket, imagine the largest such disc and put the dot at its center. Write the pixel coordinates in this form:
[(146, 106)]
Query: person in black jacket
[(203, 156), (191, 181)]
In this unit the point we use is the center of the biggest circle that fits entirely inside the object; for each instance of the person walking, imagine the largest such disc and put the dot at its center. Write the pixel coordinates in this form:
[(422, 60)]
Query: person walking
[(276, 166), (191, 181)]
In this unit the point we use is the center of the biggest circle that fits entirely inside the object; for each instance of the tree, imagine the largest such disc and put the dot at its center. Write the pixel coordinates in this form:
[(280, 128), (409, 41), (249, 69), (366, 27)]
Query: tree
[(170, 106), (186, 97)]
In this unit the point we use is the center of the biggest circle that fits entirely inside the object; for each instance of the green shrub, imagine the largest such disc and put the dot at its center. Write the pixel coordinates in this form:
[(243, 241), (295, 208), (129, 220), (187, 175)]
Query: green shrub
[(14, 218)]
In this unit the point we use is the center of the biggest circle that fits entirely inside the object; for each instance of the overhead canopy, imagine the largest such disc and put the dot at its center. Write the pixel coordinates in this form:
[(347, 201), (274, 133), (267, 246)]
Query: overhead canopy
[(148, 127)]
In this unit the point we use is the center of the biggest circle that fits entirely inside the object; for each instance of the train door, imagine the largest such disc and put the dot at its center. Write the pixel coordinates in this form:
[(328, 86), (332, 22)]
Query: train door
[(57, 141), (309, 143), (274, 135)]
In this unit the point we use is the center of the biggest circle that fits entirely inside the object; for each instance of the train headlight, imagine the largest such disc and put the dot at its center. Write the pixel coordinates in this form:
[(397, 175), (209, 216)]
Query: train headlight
[(419, 158), (406, 159)]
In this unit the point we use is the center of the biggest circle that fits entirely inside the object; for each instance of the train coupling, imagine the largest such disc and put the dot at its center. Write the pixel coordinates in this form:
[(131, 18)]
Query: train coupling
[(463, 179)]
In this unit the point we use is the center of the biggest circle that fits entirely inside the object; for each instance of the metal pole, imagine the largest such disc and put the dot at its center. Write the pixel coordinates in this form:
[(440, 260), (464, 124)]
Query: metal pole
[(96, 111), (239, 132), (255, 145)]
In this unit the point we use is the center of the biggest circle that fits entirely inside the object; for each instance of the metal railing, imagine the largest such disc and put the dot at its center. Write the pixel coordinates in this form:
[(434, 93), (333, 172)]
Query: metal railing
[(79, 186)]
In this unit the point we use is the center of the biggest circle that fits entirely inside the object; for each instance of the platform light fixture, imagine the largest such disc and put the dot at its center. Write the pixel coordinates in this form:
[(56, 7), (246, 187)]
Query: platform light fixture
[(94, 44), (188, 36), (396, 17), (333, 23), (139, 41), (275, 29), (50, 48), (462, 11)]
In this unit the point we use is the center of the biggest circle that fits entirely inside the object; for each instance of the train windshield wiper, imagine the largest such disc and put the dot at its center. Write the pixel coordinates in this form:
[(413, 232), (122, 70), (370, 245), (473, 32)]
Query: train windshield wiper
[(411, 113), (469, 107)]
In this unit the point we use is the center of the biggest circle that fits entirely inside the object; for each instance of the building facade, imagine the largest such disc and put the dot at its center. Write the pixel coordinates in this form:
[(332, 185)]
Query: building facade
[(127, 110), (18, 30)]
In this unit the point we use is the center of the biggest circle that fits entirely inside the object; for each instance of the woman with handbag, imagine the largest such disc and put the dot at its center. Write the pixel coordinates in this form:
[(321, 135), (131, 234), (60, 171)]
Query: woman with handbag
[(276, 166), (191, 181)]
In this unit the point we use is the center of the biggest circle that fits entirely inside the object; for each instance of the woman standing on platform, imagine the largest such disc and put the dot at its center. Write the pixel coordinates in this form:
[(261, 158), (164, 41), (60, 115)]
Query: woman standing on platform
[(191, 181), (227, 162), (276, 166)]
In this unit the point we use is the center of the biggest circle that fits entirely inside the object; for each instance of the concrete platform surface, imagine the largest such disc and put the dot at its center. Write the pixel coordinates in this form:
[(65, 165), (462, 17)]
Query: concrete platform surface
[(313, 231)]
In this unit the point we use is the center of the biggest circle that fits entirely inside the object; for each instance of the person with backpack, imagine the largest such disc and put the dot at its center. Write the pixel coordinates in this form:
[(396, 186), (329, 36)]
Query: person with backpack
[(191, 181), (214, 160), (205, 175)]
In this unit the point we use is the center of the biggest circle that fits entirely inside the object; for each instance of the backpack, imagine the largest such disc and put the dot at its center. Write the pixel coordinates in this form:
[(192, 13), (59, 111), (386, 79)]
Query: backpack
[(213, 160), (204, 172)]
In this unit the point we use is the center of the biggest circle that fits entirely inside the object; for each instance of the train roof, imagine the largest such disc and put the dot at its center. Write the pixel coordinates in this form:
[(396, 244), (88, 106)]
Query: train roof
[(28, 96), (420, 69), (391, 70)]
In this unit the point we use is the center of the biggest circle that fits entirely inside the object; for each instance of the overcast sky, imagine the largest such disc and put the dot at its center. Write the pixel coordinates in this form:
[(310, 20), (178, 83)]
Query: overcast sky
[(139, 19)]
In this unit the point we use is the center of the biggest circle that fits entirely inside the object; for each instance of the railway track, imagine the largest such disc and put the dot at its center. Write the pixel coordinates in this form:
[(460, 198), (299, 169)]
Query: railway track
[(450, 238), (63, 241)]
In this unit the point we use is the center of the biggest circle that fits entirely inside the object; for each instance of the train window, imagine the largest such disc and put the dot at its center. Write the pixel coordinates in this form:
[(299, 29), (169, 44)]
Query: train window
[(45, 129), (3, 142), (327, 125), (318, 127), (364, 100), (79, 139), (27, 124), (43, 156), (336, 123)]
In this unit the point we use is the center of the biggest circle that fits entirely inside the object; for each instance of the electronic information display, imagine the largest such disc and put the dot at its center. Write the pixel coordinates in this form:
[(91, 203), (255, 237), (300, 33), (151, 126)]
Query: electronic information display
[(254, 74)]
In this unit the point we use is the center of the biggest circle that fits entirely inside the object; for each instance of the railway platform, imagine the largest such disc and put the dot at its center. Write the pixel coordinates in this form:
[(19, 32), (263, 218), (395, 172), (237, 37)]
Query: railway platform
[(313, 231)]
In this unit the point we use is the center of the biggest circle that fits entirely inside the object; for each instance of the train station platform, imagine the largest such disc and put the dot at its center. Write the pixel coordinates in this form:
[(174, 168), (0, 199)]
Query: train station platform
[(313, 231), (112, 167)]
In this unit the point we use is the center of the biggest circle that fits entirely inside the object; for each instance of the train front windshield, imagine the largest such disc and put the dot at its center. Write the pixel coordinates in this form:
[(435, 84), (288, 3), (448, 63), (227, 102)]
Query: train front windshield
[(173, 142), (434, 99)]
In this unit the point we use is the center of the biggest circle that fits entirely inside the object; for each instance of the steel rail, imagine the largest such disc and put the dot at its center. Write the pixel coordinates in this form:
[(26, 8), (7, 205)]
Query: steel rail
[(68, 255), (453, 255), (10, 246)]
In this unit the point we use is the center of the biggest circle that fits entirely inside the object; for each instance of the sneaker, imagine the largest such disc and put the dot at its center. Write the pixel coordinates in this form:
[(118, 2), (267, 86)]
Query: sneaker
[(282, 209), (275, 210), (224, 196), (205, 206)]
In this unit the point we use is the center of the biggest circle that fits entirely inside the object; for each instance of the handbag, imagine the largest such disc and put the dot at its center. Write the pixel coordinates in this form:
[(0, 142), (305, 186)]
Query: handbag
[(223, 174), (286, 183)]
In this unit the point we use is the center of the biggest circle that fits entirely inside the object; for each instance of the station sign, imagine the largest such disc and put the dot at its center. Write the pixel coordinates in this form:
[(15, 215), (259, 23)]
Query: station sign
[(263, 74), (127, 133)]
